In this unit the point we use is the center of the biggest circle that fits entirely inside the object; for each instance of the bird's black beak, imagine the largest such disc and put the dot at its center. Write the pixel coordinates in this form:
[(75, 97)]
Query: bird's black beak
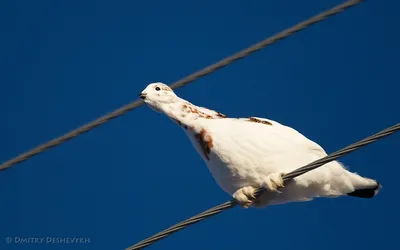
[(142, 95)]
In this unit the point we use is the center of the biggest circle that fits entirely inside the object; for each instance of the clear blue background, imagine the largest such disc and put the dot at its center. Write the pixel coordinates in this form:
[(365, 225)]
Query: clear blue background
[(65, 63)]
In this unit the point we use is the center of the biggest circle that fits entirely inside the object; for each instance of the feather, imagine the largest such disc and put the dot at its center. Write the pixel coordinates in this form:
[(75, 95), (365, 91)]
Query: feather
[(243, 154)]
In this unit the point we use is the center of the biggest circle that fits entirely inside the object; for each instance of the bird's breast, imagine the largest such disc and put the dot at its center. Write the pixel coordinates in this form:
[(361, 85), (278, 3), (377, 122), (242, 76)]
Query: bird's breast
[(231, 159)]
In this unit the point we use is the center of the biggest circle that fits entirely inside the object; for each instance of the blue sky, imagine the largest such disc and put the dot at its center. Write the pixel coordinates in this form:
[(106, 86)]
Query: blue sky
[(65, 63)]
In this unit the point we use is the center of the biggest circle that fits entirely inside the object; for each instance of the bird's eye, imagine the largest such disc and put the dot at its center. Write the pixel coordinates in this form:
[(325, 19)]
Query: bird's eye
[(157, 88)]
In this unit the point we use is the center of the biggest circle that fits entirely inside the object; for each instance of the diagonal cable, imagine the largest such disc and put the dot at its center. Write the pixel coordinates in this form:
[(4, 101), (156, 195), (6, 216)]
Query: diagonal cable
[(224, 62), (229, 204)]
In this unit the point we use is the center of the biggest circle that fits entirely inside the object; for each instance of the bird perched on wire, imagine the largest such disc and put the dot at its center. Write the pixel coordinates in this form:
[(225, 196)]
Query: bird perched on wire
[(244, 154)]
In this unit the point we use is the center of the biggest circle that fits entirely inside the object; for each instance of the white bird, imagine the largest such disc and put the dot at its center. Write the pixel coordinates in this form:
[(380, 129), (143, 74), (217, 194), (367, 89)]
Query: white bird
[(244, 154)]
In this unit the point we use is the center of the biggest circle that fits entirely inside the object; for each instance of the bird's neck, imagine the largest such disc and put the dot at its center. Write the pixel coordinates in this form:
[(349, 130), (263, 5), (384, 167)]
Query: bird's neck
[(187, 114)]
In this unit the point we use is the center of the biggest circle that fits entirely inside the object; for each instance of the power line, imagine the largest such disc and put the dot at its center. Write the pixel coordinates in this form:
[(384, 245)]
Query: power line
[(229, 204), (224, 62)]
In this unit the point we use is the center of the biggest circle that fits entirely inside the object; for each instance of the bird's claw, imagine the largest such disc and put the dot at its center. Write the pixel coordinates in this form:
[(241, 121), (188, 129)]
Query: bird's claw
[(245, 196), (273, 182)]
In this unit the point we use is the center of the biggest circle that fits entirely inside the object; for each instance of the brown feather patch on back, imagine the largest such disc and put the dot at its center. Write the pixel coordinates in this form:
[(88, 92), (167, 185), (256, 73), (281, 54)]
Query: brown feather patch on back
[(252, 119), (221, 115)]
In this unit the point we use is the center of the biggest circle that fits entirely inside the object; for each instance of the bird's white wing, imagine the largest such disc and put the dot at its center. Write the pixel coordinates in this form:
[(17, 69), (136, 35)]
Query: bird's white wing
[(269, 147), (294, 136)]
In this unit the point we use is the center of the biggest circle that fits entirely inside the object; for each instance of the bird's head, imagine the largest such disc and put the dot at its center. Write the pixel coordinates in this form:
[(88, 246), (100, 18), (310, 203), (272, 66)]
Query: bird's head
[(156, 95)]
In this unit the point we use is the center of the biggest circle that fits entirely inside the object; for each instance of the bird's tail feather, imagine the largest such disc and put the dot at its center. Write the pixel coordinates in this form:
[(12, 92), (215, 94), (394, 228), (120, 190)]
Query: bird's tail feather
[(364, 187), (365, 193)]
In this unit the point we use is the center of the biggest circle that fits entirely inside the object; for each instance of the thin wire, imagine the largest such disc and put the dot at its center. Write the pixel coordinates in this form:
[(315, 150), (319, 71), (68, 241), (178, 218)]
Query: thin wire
[(229, 204), (224, 62)]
